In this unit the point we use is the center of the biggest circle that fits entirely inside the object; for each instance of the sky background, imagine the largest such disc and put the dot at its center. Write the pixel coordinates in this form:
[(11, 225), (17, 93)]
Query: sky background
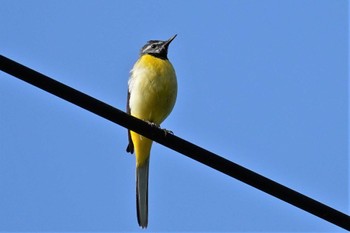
[(262, 83)]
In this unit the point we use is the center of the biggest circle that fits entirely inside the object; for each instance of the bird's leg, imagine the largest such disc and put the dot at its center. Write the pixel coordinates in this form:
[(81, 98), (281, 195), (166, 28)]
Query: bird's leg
[(167, 132), (158, 126), (153, 124)]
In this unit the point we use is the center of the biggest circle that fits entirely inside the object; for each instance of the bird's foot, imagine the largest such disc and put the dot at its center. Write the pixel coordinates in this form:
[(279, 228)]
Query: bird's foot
[(166, 132), (153, 124)]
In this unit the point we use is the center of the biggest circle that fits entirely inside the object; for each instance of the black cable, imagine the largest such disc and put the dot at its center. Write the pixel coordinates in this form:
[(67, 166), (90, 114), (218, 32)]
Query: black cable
[(184, 147)]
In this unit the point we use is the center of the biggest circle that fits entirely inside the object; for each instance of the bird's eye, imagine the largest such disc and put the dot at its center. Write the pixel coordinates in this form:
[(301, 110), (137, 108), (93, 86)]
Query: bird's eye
[(153, 46)]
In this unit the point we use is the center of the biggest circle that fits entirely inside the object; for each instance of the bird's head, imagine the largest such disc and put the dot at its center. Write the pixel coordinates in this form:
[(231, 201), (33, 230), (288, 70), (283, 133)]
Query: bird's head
[(157, 48)]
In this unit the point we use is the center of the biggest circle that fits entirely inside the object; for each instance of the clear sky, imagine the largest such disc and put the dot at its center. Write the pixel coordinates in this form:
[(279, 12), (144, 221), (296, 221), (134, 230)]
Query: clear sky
[(262, 83)]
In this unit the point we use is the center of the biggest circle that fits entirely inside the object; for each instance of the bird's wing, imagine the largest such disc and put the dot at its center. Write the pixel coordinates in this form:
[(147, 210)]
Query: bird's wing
[(130, 147)]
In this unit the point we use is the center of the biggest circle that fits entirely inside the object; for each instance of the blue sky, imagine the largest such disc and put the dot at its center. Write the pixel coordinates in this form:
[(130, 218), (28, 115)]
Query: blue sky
[(262, 83)]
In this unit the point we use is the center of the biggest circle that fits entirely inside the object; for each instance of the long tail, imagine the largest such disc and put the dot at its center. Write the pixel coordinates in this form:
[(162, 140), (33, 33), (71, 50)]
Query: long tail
[(142, 193)]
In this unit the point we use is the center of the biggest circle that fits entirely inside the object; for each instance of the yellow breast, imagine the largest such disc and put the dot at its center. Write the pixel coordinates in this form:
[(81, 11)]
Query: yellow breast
[(153, 89)]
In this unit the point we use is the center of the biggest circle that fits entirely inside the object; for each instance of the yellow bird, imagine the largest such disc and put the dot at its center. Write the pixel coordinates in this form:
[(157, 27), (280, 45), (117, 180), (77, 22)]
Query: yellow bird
[(152, 90)]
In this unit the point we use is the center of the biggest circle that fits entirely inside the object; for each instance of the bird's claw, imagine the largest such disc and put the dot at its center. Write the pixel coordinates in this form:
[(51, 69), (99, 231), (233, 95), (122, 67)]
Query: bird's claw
[(153, 124), (166, 132)]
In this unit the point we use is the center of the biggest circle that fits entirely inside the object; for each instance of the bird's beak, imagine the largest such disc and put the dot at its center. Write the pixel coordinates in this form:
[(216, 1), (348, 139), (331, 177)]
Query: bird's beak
[(166, 44)]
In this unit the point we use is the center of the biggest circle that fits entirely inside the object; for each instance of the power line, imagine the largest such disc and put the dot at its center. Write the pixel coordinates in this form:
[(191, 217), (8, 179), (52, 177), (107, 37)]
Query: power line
[(171, 141)]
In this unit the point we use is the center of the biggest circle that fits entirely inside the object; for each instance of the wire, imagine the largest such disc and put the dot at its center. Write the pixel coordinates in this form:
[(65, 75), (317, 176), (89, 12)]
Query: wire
[(171, 141)]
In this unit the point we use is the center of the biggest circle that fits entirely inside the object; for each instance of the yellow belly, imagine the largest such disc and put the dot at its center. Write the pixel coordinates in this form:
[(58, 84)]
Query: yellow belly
[(153, 89)]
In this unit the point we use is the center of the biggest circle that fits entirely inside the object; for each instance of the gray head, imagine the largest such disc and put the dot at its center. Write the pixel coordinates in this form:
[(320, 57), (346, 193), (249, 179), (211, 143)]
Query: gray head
[(157, 48)]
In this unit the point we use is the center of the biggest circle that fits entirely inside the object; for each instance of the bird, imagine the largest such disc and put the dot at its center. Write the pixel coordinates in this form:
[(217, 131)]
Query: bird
[(152, 92)]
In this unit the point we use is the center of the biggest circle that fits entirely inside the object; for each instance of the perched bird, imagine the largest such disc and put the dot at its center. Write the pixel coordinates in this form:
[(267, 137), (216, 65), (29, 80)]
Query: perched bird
[(152, 90)]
